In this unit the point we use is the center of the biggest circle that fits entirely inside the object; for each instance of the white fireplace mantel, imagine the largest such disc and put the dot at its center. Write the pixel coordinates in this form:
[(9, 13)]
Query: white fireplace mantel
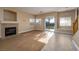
[(9, 22)]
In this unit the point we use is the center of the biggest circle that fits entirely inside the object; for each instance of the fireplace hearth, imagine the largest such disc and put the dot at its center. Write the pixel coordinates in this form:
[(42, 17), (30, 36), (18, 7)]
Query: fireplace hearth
[(10, 31)]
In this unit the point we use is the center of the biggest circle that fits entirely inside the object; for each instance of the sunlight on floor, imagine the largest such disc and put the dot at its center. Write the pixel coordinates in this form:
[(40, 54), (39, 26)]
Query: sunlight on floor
[(46, 38)]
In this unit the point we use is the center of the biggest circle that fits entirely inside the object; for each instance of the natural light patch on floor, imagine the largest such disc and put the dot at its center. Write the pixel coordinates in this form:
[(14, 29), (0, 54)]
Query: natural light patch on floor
[(46, 38)]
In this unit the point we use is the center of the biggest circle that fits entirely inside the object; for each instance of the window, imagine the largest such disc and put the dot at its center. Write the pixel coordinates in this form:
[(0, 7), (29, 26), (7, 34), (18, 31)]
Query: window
[(34, 21), (31, 20), (65, 21), (38, 21)]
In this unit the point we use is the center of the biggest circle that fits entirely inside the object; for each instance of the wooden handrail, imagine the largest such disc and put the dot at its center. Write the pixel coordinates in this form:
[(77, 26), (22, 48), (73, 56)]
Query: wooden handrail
[(75, 24)]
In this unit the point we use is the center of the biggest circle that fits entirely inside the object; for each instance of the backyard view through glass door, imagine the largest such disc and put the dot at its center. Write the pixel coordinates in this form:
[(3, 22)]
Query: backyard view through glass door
[(50, 24)]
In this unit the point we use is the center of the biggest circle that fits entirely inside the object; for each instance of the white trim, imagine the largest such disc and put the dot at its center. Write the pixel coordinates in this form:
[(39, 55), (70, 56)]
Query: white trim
[(76, 46), (25, 31)]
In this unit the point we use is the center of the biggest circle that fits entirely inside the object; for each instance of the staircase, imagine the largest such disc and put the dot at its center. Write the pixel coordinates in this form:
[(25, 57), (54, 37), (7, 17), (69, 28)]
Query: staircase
[(75, 26), (76, 32)]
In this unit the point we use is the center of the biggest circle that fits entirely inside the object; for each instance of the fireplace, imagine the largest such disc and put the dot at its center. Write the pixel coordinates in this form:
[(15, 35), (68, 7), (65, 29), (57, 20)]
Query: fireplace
[(10, 31)]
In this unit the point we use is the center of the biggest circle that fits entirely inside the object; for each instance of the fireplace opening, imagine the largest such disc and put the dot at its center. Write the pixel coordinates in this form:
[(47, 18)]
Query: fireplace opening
[(10, 31)]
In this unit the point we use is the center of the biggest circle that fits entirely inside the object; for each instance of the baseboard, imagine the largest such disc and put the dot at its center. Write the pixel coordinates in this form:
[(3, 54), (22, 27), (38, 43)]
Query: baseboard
[(25, 31), (76, 46), (38, 30), (63, 32)]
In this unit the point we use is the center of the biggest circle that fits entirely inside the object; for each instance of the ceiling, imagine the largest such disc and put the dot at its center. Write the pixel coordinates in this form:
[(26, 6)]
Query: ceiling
[(41, 10)]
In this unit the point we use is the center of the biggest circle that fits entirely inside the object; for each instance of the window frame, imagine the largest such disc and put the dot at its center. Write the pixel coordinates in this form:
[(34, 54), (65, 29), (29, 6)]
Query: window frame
[(65, 24)]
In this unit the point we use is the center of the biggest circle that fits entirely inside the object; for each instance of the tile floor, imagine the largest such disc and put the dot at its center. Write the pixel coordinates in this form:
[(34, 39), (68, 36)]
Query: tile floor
[(37, 41), (60, 42)]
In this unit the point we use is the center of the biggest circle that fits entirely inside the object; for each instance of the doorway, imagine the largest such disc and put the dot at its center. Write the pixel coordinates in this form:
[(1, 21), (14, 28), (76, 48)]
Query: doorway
[(50, 24)]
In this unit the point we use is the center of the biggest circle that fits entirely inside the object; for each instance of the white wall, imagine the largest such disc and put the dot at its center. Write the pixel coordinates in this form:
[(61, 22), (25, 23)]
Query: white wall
[(24, 24), (1, 18)]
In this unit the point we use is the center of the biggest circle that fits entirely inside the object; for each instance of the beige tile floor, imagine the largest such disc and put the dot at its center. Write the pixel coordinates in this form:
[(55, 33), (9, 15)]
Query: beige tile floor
[(38, 40), (60, 42)]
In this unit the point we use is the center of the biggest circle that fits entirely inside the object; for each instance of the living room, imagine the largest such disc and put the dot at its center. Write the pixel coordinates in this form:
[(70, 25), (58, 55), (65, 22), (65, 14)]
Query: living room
[(36, 28)]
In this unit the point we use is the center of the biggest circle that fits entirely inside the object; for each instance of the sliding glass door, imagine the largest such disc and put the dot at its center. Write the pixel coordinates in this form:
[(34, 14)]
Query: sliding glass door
[(50, 23)]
